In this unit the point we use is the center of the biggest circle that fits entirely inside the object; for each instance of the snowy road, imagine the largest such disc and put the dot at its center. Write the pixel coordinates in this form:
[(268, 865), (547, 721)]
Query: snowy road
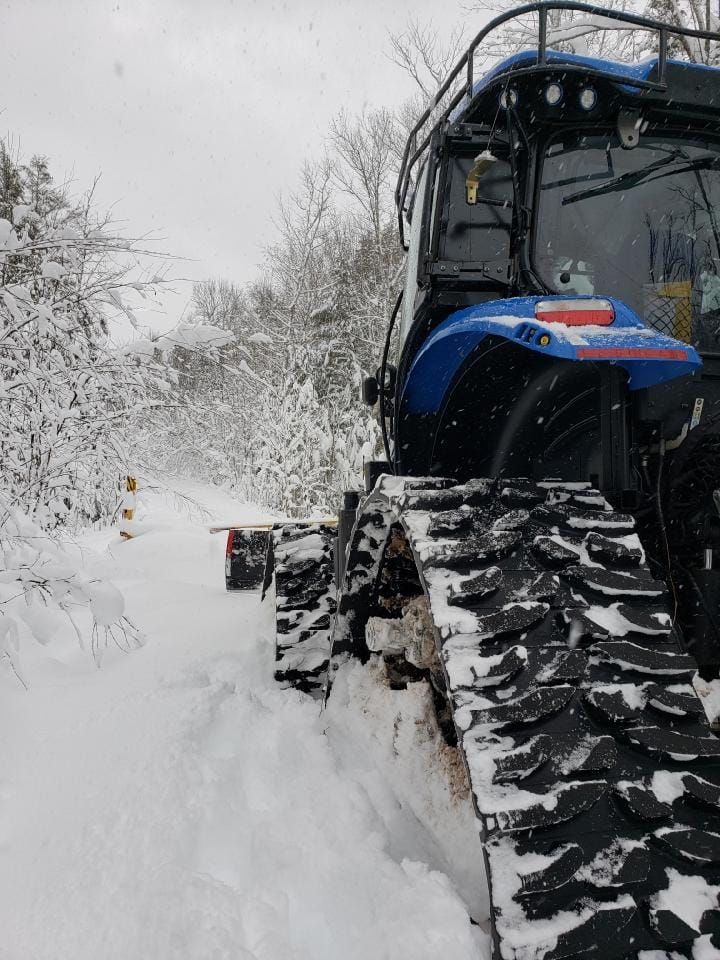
[(176, 804)]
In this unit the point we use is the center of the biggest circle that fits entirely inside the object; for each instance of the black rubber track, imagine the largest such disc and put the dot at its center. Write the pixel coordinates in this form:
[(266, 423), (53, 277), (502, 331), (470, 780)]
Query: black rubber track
[(245, 561), (300, 556), (595, 777)]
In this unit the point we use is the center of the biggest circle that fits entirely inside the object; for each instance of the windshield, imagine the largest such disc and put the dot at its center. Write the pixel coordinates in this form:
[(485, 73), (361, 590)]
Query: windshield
[(640, 225)]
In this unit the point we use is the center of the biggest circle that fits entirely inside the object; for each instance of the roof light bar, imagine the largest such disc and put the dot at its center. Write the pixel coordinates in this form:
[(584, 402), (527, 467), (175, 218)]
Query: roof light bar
[(576, 313)]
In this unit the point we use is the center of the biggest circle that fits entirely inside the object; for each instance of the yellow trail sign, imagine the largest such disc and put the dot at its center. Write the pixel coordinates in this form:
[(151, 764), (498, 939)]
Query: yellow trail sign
[(129, 504)]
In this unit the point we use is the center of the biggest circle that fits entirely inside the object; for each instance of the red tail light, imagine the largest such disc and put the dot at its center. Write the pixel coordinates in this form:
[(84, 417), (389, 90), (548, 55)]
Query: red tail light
[(230, 543), (576, 313)]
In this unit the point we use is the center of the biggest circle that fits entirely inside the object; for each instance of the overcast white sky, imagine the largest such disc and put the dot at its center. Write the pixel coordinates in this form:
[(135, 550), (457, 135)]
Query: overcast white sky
[(195, 112)]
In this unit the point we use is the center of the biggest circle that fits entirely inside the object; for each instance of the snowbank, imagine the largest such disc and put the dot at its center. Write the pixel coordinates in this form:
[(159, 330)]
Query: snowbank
[(176, 804)]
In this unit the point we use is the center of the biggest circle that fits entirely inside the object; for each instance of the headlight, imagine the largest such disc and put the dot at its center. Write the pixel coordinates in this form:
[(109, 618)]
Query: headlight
[(508, 98)]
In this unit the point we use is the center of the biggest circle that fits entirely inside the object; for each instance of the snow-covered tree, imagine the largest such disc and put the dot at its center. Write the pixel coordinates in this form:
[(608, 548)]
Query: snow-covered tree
[(75, 370), (76, 374), (280, 417), (598, 36)]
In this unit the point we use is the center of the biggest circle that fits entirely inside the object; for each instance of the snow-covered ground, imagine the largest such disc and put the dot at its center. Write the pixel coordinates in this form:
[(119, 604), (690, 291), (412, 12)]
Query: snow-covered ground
[(176, 804)]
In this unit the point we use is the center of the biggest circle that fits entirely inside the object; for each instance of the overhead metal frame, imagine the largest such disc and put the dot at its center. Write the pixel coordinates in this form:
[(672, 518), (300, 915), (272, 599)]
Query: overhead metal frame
[(413, 151)]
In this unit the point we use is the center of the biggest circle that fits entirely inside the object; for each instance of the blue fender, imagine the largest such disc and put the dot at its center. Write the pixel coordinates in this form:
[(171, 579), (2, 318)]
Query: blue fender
[(648, 356)]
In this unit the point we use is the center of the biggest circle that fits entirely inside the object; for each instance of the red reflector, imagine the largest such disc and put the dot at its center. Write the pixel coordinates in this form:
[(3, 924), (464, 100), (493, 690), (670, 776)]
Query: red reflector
[(633, 353), (230, 542), (576, 313)]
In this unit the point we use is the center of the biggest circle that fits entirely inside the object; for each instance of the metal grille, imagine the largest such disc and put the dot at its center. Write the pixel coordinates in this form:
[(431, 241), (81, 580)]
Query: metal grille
[(668, 308)]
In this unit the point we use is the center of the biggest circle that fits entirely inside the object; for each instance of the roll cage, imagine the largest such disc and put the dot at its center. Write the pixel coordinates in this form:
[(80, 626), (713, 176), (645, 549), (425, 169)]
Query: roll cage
[(461, 89)]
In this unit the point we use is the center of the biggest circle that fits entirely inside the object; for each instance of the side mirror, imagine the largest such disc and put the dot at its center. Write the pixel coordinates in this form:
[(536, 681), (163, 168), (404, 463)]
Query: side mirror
[(370, 391), (388, 387)]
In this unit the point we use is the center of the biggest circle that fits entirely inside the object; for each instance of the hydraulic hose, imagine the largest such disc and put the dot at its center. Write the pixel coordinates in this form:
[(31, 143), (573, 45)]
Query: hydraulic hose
[(663, 527), (383, 370)]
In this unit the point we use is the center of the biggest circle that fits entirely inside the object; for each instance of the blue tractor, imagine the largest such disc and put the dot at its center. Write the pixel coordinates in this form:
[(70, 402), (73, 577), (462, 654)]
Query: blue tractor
[(539, 544)]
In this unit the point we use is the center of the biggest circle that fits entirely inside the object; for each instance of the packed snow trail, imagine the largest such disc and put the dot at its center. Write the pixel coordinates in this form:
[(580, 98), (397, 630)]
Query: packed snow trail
[(176, 804)]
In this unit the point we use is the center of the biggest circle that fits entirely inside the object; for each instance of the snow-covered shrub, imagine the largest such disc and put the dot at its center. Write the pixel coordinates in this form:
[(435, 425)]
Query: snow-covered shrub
[(44, 588)]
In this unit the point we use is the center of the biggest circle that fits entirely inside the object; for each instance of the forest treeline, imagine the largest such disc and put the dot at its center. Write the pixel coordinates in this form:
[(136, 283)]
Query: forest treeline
[(280, 418)]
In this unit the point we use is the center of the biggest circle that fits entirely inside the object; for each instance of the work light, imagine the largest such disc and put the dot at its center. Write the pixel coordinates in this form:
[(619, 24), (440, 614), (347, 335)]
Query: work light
[(588, 98), (553, 94)]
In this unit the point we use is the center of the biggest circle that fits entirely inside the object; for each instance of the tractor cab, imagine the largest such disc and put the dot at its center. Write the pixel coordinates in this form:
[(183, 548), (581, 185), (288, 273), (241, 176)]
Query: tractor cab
[(563, 264)]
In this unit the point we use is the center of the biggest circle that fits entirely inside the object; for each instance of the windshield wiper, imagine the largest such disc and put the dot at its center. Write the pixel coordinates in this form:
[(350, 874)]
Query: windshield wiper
[(635, 177)]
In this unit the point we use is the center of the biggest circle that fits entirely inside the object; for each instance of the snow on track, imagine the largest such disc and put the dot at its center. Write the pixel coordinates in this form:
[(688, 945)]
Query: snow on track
[(177, 804)]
